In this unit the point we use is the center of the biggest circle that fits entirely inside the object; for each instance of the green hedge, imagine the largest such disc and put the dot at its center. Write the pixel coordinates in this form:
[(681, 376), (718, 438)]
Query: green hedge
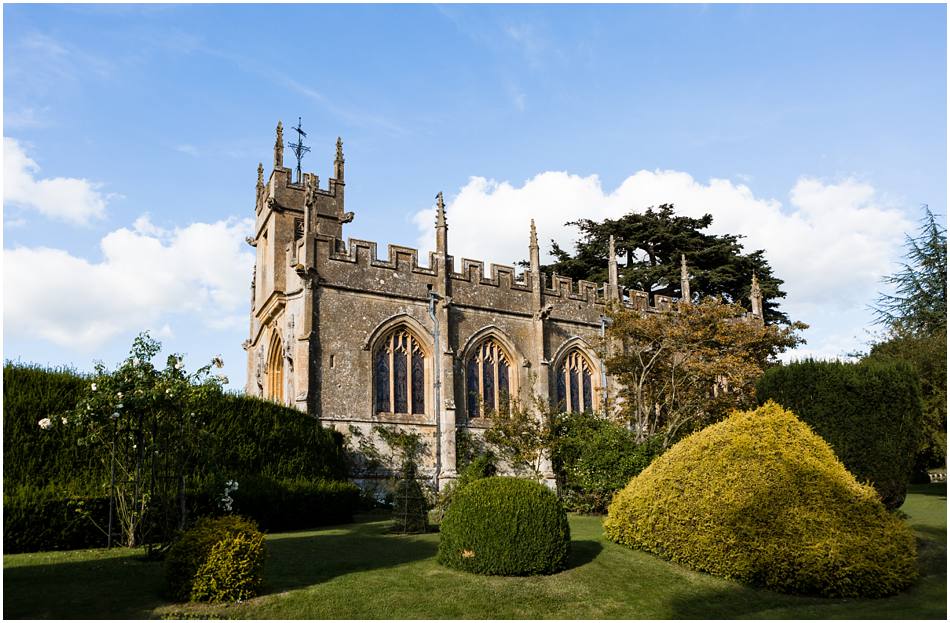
[(278, 505), (244, 435), (505, 526), (762, 499), (870, 413), (594, 458), (50, 519), (286, 462), (36, 457), (253, 436)]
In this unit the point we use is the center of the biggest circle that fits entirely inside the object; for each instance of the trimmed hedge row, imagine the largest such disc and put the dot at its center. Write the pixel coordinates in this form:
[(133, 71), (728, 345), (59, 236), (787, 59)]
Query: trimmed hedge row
[(762, 499), (869, 412), (505, 526), (296, 504), (36, 457), (47, 519), (244, 435), (287, 465)]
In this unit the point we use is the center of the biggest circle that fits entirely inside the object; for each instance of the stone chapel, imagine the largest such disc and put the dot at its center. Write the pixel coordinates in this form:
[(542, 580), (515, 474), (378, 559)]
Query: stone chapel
[(359, 340)]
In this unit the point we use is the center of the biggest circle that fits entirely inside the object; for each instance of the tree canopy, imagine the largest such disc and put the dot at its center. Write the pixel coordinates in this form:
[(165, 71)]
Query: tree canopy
[(919, 303), (681, 371), (652, 243)]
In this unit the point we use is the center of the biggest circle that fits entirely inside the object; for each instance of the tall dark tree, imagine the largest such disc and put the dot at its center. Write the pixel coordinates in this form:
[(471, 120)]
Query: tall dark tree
[(919, 303), (651, 244), (915, 316)]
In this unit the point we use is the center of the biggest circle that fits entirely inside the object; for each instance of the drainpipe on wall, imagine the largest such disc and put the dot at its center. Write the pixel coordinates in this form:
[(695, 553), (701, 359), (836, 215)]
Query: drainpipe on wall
[(604, 323), (437, 355)]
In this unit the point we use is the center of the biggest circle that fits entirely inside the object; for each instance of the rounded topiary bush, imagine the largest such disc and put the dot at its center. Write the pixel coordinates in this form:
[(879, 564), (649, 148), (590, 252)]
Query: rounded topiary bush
[(505, 526), (762, 499), (220, 559)]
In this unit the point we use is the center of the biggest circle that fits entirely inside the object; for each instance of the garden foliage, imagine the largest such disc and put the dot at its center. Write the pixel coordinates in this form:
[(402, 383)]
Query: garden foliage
[(56, 491), (869, 412), (681, 371), (762, 499), (219, 559), (595, 457), (505, 526), (481, 466)]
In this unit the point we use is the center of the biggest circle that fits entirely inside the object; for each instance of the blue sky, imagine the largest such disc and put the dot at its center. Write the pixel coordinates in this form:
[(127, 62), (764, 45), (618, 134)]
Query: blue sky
[(132, 136)]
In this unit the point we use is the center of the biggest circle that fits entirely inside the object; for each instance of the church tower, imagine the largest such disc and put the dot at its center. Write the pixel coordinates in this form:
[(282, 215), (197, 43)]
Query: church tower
[(291, 215)]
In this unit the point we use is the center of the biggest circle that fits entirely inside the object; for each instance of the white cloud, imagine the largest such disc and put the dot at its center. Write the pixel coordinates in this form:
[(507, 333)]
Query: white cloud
[(147, 274), (63, 198), (831, 243), (185, 148)]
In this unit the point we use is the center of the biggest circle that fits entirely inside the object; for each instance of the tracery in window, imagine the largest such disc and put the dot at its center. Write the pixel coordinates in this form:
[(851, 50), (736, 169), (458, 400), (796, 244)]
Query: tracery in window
[(488, 380), (575, 391), (399, 374)]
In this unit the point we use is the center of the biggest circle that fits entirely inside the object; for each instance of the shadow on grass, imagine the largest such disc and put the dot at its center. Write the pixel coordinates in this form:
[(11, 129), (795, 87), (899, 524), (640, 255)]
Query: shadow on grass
[(583, 552), (934, 488), (295, 561), (119, 586)]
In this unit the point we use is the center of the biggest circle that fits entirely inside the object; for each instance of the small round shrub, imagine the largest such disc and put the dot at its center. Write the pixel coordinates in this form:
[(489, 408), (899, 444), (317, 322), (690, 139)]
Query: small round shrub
[(760, 498), (505, 526), (220, 559)]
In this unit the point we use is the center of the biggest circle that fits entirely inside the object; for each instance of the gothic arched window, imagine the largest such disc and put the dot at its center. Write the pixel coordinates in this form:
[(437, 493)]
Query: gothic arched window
[(487, 380), (274, 372), (399, 374), (575, 386)]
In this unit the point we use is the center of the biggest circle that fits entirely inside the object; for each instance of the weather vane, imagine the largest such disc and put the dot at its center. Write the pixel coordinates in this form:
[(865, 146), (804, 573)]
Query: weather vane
[(299, 148)]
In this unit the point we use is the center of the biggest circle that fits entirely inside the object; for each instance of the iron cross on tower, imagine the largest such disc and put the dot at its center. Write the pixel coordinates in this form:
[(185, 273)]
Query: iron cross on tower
[(299, 148)]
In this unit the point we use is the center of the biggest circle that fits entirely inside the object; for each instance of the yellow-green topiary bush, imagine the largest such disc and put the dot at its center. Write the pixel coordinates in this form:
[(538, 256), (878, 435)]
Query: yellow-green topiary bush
[(760, 498), (219, 559)]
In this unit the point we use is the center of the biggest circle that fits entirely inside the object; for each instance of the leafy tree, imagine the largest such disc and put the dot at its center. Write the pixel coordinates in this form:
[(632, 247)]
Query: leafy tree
[(652, 243), (919, 304), (523, 436), (682, 370), (916, 319)]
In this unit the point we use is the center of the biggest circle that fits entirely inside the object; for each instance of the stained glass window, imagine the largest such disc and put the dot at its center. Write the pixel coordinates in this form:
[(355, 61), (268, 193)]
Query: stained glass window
[(575, 387), (382, 380), (488, 380), (472, 393), (418, 383), (400, 384)]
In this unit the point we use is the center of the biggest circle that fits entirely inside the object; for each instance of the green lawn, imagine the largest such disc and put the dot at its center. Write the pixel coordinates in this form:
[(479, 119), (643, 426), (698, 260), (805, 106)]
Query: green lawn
[(359, 571)]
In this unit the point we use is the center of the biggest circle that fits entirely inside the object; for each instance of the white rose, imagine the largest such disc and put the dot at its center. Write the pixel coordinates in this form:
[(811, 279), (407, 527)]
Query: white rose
[(93, 387), (45, 423)]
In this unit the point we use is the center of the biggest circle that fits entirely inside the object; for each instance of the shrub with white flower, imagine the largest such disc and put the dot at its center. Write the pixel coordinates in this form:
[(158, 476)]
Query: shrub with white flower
[(225, 502), (141, 419), (45, 423)]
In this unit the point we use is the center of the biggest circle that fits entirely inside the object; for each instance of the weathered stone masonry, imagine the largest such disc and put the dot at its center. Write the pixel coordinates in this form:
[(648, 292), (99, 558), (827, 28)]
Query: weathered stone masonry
[(350, 338)]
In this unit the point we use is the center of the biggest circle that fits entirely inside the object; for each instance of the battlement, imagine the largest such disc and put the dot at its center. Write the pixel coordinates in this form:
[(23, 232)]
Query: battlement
[(364, 254), (310, 223)]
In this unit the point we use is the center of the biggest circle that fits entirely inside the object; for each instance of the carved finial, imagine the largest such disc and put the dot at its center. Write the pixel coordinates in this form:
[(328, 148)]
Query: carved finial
[(613, 280), (279, 146), (439, 210), (685, 294), (534, 236), (338, 163), (339, 149), (755, 295)]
